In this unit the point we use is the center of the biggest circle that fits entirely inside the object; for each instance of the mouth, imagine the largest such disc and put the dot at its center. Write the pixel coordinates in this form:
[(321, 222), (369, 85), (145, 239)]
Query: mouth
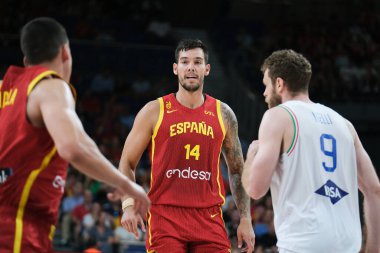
[(191, 77)]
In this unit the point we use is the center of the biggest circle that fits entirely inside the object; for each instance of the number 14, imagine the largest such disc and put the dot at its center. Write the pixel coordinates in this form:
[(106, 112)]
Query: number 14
[(192, 151)]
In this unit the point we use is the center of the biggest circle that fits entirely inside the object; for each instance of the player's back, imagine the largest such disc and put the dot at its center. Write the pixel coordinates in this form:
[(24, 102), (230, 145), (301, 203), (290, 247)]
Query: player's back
[(315, 189), (31, 172)]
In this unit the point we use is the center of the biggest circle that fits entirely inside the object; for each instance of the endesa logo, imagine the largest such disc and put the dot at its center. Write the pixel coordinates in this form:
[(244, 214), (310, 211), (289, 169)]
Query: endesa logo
[(188, 173), (59, 183)]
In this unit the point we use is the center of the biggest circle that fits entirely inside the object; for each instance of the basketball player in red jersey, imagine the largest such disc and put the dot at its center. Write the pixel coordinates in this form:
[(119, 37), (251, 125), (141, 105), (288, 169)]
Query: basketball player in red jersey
[(40, 133), (186, 133)]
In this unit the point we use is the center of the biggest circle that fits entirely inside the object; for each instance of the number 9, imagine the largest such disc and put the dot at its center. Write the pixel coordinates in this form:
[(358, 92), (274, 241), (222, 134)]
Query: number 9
[(332, 153)]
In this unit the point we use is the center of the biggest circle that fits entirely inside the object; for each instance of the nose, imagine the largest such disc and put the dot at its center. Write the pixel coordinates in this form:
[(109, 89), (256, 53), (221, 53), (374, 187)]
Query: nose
[(191, 66)]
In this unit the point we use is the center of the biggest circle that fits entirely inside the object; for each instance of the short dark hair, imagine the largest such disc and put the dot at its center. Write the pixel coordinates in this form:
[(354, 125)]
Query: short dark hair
[(41, 39), (188, 44), (291, 66)]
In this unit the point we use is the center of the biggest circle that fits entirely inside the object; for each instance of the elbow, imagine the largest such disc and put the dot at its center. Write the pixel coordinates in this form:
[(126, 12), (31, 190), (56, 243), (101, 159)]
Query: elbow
[(70, 151), (255, 191)]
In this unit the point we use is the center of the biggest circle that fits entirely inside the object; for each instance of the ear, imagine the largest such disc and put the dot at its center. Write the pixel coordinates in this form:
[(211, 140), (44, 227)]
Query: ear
[(280, 84), (175, 70), (65, 53), (208, 68), (25, 61)]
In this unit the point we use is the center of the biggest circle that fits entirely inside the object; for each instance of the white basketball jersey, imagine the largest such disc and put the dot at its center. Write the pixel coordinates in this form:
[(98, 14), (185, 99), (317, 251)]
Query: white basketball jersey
[(315, 186)]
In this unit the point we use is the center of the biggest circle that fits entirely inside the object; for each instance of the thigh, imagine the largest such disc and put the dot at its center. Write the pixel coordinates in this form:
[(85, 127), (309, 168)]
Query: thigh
[(163, 231), (208, 247), (31, 238), (212, 235), (167, 244)]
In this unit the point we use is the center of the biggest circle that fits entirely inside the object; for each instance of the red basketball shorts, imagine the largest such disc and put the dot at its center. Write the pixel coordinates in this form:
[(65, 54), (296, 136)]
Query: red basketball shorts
[(29, 236), (186, 230)]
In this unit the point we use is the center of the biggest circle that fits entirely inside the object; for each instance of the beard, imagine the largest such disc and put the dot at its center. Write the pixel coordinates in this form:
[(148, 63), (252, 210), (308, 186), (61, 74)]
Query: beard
[(191, 87), (274, 100)]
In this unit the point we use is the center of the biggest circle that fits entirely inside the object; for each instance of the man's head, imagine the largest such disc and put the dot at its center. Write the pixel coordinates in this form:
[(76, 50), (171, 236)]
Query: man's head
[(285, 70), (43, 40), (191, 64)]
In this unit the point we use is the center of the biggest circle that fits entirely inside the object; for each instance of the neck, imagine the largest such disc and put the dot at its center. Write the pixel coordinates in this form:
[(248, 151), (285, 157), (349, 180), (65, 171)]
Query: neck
[(190, 99), (53, 65), (304, 97)]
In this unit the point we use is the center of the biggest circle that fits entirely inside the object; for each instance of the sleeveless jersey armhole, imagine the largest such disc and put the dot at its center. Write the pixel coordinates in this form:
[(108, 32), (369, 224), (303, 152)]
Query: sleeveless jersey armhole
[(43, 75), (295, 129), (220, 118)]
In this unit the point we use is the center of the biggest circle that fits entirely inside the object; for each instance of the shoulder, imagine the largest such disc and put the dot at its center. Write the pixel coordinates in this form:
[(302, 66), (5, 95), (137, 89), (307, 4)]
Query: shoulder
[(277, 117), (228, 116), (149, 113), (151, 108), (51, 87), (227, 112)]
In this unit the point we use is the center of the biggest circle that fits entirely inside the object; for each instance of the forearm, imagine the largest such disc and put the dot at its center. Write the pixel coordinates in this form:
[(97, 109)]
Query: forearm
[(372, 220), (87, 158), (242, 200), (127, 170)]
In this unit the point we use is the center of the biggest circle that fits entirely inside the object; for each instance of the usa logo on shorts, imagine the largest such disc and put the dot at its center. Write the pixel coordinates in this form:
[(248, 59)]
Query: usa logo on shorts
[(332, 191)]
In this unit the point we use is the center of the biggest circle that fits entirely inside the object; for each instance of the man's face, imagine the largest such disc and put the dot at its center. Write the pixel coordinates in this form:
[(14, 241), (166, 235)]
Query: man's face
[(272, 98), (191, 69)]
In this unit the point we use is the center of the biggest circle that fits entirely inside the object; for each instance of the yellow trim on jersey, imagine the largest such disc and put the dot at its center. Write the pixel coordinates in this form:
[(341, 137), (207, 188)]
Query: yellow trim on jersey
[(158, 124), (38, 78), (44, 74), (24, 198), (220, 118), (149, 230), (218, 110), (52, 231)]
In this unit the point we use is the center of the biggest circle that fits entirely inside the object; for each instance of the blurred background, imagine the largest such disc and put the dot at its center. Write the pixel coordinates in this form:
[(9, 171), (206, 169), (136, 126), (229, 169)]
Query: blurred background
[(123, 53)]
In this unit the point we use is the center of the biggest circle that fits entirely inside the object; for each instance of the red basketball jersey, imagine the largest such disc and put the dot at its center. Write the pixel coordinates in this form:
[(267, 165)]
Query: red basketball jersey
[(185, 154), (32, 174)]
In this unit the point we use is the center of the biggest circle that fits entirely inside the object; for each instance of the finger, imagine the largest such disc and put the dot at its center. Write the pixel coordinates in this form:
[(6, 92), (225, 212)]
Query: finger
[(250, 245), (142, 224), (126, 226), (134, 228), (240, 241)]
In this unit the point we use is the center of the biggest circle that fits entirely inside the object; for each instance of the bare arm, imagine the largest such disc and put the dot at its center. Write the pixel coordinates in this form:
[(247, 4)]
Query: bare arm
[(51, 105), (135, 145), (259, 167), (138, 139), (370, 187), (234, 158)]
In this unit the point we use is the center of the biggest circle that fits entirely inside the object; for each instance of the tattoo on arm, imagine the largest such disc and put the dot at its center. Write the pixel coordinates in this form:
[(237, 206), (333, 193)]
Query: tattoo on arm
[(234, 158)]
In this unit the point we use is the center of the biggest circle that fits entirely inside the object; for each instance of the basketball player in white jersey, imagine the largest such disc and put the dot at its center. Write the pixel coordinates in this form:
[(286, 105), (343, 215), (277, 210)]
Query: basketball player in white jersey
[(314, 163)]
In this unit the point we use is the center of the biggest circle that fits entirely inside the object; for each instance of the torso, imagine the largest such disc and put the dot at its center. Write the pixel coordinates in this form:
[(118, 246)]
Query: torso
[(185, 152)]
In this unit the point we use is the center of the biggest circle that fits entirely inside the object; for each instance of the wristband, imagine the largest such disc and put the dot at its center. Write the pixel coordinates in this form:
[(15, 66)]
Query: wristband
[(126, 203)]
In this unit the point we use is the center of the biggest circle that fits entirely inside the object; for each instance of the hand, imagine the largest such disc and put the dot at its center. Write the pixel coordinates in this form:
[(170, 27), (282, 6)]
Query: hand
[(142, 202), (130, 220), (245, 233)]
